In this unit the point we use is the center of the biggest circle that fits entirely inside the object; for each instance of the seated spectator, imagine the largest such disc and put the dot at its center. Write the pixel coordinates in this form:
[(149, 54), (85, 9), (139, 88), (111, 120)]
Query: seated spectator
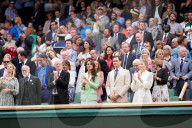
[(105, 45), (158, 45), (6, 61), (71, 85), (10, 47), (58, 17), (116, 34), (167, 53), (39, 48), (76, 45), (52, 55)]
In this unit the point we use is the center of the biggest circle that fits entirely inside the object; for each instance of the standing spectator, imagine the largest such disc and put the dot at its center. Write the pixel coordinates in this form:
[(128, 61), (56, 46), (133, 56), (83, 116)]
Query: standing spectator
[(28, 10), (58, 17), (145, 9), (98, 71), (116, 34), (153, 29), (18, 28), (75, 20), (90, 82), (127, 58), (81, 59), (43, 72), (120, 79), (108, 57), (62, 6), (97, 28), (77, 40), (181, 72), (9, 87), (29, 88), (89, 12), (58, 85), (71, 88), (11, 12), (167, 53), (84, 27), (188, 27), (185, 21), (67, 10), (25, 41), (138, 47), (113, 21), (142, 83), (6, 61), (131, 39), (51, 35), (145, 55), (136, 24), (103, 18), (47, 24), (160, 90)]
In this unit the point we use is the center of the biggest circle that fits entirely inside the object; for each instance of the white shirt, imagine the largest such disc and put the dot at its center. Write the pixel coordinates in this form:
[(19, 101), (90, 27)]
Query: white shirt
[(129, 39), (157, 15)]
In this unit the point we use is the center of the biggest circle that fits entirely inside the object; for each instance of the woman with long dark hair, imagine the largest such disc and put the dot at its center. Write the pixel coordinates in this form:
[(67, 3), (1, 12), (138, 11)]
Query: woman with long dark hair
[(89, 83), (108, 57)]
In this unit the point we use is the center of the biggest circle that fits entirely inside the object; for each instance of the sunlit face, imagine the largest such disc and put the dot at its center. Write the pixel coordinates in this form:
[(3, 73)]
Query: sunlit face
[(65, 56), (9, 38), (78, 42), (182, 52), (136, 66), (30, 25), (25, 71), (139, 38), (142, 26), (62, 29), (88, 34), (142, 66), (42, 61), (104, 46), (6, 61), (96, 16), (73, 33), (109, 51), (116, 62), (160, 55), (52, 54), (145, 55), (89, 65), (10, 68), (116, 29), (68, 44), (86, 45), (65, 67), (166, 50), (96, 65), (39, 39), (58, 65)]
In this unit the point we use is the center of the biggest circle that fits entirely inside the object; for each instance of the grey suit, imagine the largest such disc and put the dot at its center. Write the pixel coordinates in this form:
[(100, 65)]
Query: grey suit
[(113, 41), (34, 93), (186, 71)]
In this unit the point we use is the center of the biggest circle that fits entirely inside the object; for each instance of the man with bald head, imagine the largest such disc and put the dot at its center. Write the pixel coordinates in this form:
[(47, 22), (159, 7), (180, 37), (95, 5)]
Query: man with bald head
[(181, 72), (29, 88), (65, 56), (58, 85), (25, 41)]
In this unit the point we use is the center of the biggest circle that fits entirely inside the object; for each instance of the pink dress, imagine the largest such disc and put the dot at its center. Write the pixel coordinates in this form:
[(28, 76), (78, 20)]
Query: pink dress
[(99, 90)]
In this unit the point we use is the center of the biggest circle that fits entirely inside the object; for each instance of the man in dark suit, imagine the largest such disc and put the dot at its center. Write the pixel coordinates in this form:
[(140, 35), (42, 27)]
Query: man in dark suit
[(25, 41), (137, 48), (29, 88), (24, 61), (68, 9), (104, 68), (58, 85), (147, 36), (120, 37), (181, 72), (58, 17), (43, 73), (51, 35), (166, 37), (127, 58), (3, 71), (131, 37)]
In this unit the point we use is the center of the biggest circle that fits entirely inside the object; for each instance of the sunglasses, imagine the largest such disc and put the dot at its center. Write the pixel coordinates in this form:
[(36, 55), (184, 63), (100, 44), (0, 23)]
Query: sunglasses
[(6, 61)]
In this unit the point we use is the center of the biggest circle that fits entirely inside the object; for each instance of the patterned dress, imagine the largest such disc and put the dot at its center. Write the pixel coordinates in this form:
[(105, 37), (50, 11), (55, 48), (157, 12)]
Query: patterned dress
[(7, 99)]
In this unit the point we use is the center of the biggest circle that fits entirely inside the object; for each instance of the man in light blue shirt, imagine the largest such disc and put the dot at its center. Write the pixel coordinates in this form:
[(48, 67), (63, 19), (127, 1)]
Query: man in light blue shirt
[(84, 27), (11, 12)]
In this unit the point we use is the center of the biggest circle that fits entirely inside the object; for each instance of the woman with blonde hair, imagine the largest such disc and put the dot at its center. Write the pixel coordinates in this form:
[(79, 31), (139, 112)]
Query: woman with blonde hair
[(153, 29), (52, 56), (145, 54), (18, 26), (9, 86), (77, 40), (167, 53)]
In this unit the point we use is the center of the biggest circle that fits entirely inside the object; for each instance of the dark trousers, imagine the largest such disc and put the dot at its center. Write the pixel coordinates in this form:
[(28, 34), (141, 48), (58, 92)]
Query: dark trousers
[(45, 96), (179, 87), (55, 99)]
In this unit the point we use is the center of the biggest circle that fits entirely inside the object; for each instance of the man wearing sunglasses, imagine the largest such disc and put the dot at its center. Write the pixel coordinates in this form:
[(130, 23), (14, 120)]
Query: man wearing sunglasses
[(3, 71)]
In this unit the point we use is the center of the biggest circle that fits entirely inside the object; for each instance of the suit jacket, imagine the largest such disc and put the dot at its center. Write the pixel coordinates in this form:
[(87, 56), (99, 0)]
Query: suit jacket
[(168, 40), (119, 86), (49, 70), (89, 90), (34, 93), (28, 44), (62, 86), (135, 46), (2, 72), (66, 12), (186, 71), (121, 38), (130, 59), (161, 10), (113, 41), (31, 65), (148, 37), (104, 68), (175, 53), (60, 20)]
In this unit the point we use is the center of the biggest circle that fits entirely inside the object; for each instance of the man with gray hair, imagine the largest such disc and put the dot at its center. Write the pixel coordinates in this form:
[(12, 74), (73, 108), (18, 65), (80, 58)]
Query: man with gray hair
[(133, 70), (29, 88), (65, 56), (43, 72), (89, 35)]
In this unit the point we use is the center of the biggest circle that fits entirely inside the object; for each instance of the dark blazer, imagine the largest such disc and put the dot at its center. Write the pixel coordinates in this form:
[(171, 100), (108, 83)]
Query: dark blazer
[(133, 41), (148, 37), (163, 74), (31, 65), (28, 44), (49, 36), (169, 38), (130, 59), (34, 93), (2, 72), (60, 20), (161, 10), (135, 46), (66, 12), (49, 68), (121, 38), (104, 68), (62, 87)]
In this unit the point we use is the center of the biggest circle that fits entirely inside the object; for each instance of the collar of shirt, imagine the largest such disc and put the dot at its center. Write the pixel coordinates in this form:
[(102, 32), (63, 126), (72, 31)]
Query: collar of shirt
[(118, 68), (127, 53), (25, 62), (182, 58), (29, 76)]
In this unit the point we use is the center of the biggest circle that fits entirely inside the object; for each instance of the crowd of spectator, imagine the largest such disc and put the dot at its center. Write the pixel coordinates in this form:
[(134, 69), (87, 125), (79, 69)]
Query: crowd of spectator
[(93, 51)]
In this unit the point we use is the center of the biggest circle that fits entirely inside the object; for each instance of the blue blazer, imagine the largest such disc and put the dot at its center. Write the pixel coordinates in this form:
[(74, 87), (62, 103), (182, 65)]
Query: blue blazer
[(175, 53), (175, 70), (50, 69)]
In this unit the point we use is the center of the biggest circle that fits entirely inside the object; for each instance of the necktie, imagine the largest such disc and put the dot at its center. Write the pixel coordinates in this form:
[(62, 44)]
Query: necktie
[(138, 51), (26, 79), (125, 61), (141, 33), (181, 66), (41, 77), (164, 39), (115, 35), (116, 72)]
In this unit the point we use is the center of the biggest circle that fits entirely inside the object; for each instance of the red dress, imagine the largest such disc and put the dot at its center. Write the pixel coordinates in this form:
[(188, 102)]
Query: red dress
[(109, 63)]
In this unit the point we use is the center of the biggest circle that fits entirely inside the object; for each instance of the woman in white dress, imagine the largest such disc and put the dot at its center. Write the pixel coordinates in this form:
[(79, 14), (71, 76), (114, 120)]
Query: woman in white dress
[(88, 46), (142, 83)]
